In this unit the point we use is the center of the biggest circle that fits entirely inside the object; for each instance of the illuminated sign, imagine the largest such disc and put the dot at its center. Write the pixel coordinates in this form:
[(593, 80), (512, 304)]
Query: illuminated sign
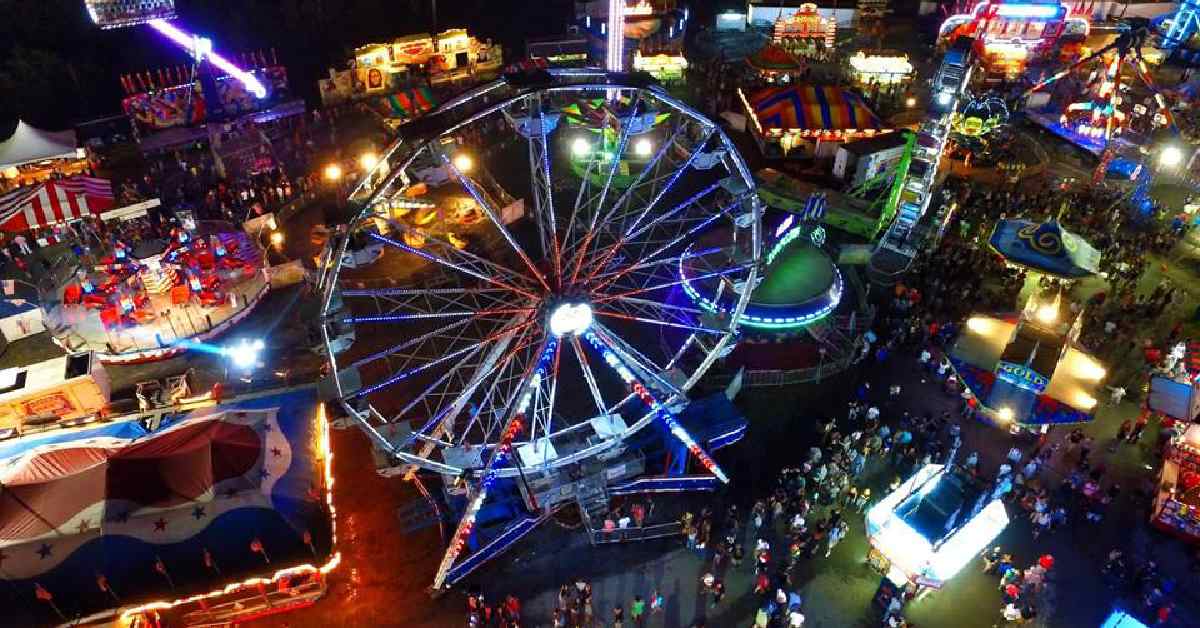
[(1029, 10), (1022, 376)]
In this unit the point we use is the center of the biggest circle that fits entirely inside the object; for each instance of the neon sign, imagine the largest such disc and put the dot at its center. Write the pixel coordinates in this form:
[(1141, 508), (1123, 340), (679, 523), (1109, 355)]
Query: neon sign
[(1022, 376)]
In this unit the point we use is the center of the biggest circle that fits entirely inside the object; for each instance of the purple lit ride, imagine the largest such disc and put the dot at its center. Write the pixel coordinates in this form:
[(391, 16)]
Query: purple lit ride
[(156, 14)]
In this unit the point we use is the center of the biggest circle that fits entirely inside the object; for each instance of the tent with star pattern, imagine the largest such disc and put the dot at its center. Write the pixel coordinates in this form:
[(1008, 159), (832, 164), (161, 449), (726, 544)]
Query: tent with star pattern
[(115, 499)]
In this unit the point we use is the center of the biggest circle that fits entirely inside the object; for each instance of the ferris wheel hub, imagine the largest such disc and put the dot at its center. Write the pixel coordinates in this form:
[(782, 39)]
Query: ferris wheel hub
[(569, 317)]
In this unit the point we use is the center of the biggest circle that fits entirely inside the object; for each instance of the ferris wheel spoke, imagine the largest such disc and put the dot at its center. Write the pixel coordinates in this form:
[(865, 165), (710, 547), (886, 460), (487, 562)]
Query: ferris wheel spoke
[(445, 412), (489, 209), (639, 362), (504, 372), (622, 238), (391, 318), (596, 223), (588, 376), (459, 256), (482, 276), (669, 284), (682, 311), (543, 414), (622, 144), (649, 259), (408, 344), (405, 374), (651, 321)]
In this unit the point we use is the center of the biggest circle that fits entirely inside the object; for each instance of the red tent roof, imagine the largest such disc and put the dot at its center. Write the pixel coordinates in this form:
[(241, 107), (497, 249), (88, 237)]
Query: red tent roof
[(54, 201)]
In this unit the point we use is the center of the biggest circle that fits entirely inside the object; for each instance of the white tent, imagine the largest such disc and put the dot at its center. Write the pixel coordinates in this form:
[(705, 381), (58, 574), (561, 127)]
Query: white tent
[(28, 144)]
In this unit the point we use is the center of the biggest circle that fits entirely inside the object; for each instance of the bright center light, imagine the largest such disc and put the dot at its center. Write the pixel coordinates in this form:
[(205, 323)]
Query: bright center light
[(1047, 314), (463, 162), (1006, 414), (333, 172), (277, 238), (1170, 157), (244, 354), (570, 318), (944, 98), (910, 102), (978, 325), (368, 161), (580, 147), (642, 147)]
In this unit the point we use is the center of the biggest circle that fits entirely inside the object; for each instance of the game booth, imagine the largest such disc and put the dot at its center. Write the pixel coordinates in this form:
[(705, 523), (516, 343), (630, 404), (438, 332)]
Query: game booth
[(153, 300), (222, 506), (1177, 506), (1175, 383), (808, 121), (931, 526)]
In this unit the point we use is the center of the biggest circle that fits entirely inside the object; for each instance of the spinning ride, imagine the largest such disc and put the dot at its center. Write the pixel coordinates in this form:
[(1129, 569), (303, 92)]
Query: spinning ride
[(544, 356), (159, 298)]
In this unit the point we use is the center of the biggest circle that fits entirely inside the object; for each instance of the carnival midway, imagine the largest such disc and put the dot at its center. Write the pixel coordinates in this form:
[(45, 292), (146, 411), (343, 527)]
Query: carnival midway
[(600, 313)]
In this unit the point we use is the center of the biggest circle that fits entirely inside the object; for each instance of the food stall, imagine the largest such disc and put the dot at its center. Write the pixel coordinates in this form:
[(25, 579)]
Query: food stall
[(932, 525), (880, 68), (666, 67), (1177, 506)]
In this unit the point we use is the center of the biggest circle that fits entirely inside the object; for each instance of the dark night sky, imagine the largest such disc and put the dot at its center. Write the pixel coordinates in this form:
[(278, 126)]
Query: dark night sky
[(57, 69)]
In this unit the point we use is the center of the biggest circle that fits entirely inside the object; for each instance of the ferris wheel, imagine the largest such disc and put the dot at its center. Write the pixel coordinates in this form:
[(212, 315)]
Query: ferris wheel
[(510, 294)]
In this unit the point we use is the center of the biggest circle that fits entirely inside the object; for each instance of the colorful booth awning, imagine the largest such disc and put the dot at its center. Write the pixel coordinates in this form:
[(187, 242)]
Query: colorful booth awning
[(812, 107)]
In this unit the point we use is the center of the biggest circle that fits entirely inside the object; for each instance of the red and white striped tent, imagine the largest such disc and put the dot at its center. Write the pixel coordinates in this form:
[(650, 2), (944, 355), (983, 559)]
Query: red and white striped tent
[(54, 201)]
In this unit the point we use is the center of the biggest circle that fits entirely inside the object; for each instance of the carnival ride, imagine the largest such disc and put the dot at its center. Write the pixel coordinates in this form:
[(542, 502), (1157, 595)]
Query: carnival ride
[(159, 298), (157, 14), (548, 363), (800, 285), (915, 178), (1008, 34)]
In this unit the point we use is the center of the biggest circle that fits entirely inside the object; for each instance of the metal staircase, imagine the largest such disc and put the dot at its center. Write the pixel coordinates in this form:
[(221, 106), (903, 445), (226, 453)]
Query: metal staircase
[(591, 494)]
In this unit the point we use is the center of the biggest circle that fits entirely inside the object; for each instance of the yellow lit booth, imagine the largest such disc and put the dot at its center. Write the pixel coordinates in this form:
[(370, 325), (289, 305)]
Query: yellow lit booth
[(1029, 371)]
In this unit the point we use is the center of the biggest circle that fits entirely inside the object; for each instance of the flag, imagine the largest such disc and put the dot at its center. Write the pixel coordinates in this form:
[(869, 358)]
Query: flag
[(102, 582), (256, 546), (160, 566), (41, 593)]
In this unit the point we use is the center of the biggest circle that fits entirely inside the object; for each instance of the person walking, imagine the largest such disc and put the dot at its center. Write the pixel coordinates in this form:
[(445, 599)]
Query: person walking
[(1138, 426), (637, 611), (836, 534)]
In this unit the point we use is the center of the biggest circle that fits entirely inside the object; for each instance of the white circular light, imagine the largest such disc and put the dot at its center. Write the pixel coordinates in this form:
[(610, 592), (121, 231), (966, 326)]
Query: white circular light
[(368, 161), (580, 147), (245, 353), (642, 147), (1170, 157), (570, 318), (463, 162)]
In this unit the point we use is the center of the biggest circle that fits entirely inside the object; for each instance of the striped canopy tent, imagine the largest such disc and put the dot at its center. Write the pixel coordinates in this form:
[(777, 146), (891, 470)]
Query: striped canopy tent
[(407, 104), (54, 201), (818, 111)]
